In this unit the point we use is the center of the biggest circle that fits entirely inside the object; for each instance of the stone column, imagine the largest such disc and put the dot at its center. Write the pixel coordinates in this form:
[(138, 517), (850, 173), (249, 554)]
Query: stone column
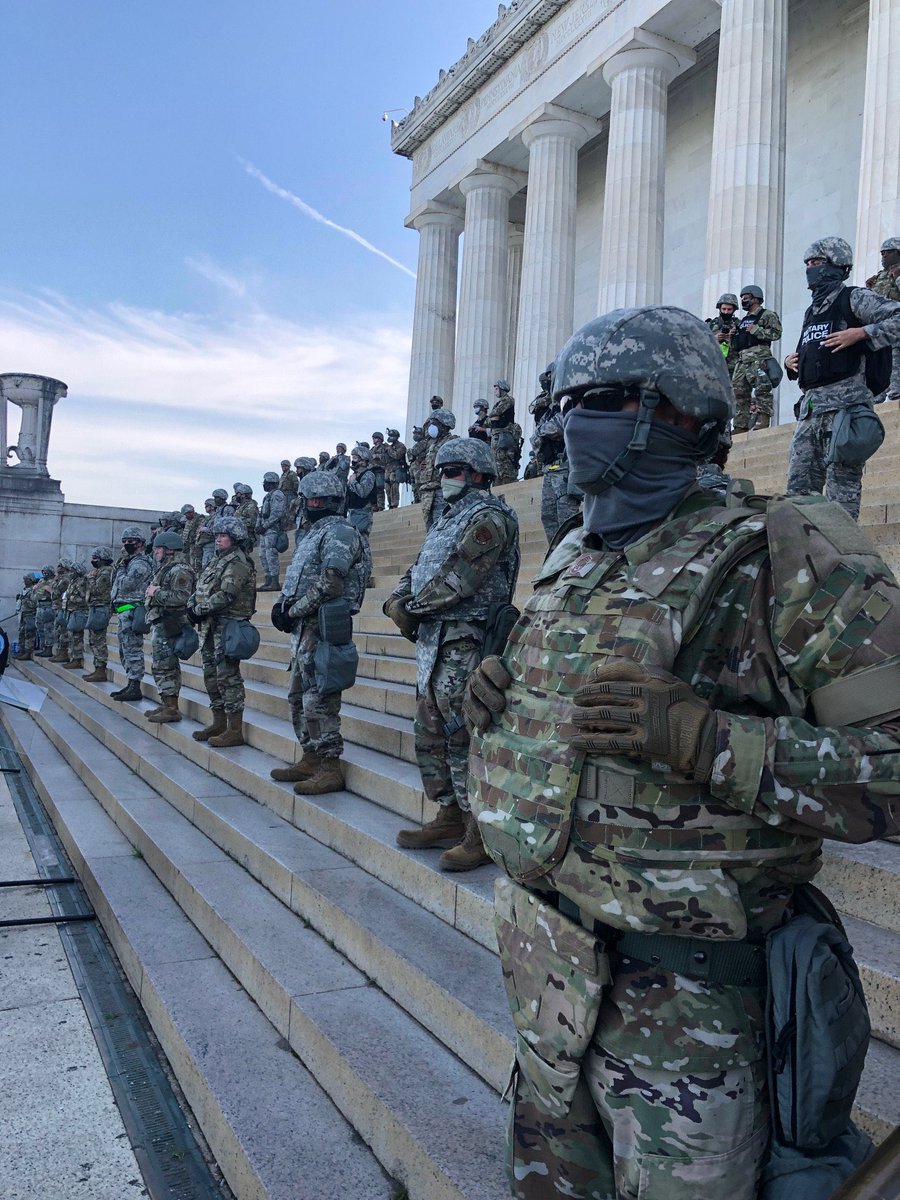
[(631, 255), (878, 212), (513, 292), (434, 320), (482, 327), (745, 225), (547, 306)]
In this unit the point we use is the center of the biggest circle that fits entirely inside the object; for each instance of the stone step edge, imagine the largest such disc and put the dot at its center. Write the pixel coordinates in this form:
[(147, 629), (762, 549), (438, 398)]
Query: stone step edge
[(401, 1141), (219, 1106)]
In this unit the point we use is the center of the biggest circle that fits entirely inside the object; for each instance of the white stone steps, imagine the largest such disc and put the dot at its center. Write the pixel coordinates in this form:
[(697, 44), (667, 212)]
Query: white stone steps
[(266, 1119), (864, 881), (877, 951), (877, 1109), (353, 1037)]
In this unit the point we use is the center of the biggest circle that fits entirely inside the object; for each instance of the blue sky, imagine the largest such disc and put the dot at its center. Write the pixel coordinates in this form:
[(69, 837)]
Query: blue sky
[(205, 324)]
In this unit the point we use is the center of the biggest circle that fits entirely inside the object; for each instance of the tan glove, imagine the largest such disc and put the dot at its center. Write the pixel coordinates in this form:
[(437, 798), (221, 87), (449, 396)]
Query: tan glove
[(485, 695), (395, 608), (647, 713)]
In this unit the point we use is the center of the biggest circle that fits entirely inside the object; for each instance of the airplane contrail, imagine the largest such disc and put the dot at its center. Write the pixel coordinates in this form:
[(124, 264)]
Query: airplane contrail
[(309, 211)]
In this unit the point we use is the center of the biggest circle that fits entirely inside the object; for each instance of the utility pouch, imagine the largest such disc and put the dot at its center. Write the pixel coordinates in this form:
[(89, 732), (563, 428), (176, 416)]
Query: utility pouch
[(173, 621), (281, 541), (335, 667), (139, 622), (97, 618), (240, 639), (76, 621), (500, 621), (186, 643), (506, 442), (555, 973), (856, 433), (335, 622)]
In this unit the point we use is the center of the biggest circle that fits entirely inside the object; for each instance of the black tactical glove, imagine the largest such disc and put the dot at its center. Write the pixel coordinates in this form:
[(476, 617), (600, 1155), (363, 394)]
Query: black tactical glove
[(281, 617), (395, 608), (485, 695), (646, 713), (193, 616)]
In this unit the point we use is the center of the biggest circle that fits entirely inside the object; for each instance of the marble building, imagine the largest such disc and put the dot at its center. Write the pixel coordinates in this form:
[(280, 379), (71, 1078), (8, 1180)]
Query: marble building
[(583, 155)]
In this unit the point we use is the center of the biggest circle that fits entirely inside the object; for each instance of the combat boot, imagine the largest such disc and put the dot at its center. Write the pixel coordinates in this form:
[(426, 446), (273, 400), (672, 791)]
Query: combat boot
[(328, 778), (470, 853), (233, 735), (763, 420), (74, 664), (304, 769), (62, 657), (167, 711), (98, 675), (447, 827), (131, 691), (217, 726), (23, 656)]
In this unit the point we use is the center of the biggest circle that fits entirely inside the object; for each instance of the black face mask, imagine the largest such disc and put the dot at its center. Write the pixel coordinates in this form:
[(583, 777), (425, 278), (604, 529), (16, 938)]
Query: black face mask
[(822, 280), (746, 305), (129, 547), (311, 515)]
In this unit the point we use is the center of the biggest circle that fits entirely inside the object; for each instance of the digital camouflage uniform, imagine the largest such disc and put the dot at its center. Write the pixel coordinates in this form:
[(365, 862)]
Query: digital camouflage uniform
[(669, 1101), (378, 461), (226, 588), (43, 594), (415, 458), (361, 497), (99, 588), (430, 493), (76, 602), (27, 616), (332, 560), (129, 588), (469, 562), (271, 518), (506, 440), (166, 612), (396, 453), (807, 470), (752, 386), (885, 284), (340, 464), (557, 506)]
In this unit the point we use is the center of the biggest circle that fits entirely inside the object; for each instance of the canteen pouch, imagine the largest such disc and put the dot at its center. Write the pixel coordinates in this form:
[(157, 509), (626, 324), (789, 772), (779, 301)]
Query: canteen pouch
[(97, 618), (555, 973), (335, 622), (335, 666), (60, 619), (139, 622), (240, 639), (172, 620), (186, 643), (773, 370), (76, 621), (281, 544), (506, 442), (856, 433)]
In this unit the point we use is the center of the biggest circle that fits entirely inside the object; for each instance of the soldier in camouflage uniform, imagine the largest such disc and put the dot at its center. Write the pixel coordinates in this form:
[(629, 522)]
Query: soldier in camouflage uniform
[(28, 616), (557, 505), (57, 591), (415, 456), (361, 491), (465, 572), (830, 363), (167, 597), (99, 589), (226, 589), (76, 610), (204, 538), (378, 461), (288, 482), (437, 431), (223, 506), (131, 574), (506, 435), (247, 510), (887, 283), (332, 562), (269, 526), (752, 342), (339, 462), (723, 327), (479, 428), (396, 453), (303, 466), (43, 592), (660, 752), (191, 523)]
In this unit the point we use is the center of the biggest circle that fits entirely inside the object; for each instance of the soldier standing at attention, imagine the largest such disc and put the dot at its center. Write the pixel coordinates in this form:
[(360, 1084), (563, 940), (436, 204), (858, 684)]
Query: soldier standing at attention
[(57, 591), (838, 327), (132, 573), (664, 744), (396, 452), (724, 326), (415, 456), (752, 343), (479, 427), (247, 510), (268, 526), (44, 596), (506, 435), (76, 609), (167, 597), (557, 506), (360, 492), (437, 431), (447, 603), (288, 481), (887, 283), (226, 590), (378, 461), (28, 616), (323, 589), (204, 539), (99, 611)]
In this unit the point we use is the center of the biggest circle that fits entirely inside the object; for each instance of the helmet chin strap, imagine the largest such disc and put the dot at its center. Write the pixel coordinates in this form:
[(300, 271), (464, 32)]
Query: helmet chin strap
[(622, 464)]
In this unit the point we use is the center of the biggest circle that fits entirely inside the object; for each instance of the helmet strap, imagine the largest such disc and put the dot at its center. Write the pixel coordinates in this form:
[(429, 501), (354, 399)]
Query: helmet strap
[(622, 464)]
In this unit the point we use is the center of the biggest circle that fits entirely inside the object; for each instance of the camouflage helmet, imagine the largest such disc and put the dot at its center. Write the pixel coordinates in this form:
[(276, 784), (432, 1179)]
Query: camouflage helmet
[(546, 376), (102, 553), (436, 401), (417, 433), (393, 433), (243, 489), (50, 570), (443, 416), (168, 539), (361, 451), (78, 566), (67, 563), (730, 298), (233, 526), (324, 484), (471, 452), (271, 477), (131, 533), (376, 434), (305, 464), (655, 349), (209, 500), (892, 243), (187, 508), (501, 385), (220, 494), (752, 289), (835, 249), (480, 403)]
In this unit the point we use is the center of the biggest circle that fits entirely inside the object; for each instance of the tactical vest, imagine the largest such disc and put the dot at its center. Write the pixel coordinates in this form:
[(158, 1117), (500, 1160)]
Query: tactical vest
[(609, 833), (819, 367), (742, 340)]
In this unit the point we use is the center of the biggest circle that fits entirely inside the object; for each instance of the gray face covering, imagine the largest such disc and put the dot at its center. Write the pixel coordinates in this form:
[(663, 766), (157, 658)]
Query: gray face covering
[(649, 489)]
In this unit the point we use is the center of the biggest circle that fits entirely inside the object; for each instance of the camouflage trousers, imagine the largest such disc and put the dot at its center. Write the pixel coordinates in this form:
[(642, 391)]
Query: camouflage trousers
[(268, 555), (207, 554), (378, 494), (557, 505), (221, 675), (131, 646), (98, 645), (444, 760), (507, 468), (76, 646), (60, 635), (316, 718), (752, 389), (392, 492), (807, 472), (45, 618), (165, 663), (432, 505), (27, 631)]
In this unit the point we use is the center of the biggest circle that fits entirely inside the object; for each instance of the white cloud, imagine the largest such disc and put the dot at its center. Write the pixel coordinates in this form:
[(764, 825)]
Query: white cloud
[(164, 407), (218, 275)]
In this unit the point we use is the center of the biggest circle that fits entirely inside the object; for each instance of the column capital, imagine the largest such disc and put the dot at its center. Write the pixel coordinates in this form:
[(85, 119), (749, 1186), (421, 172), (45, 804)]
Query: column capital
[(552, 120), (491, 175), (433, 212), (631, 51)]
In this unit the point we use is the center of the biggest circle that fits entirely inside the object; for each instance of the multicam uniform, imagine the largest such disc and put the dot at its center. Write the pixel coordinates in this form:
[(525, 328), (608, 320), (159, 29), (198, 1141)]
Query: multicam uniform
[(76, 602), (43, 594), (99, 591), (430, 493), (60, 635), (506, 439), (166, 613), (557, 506), (248, 512), (27, 619), (396, 453), (379, 460), (752, 343), (415, 459), (668, 1103), (332, 560), (226, 588), (129, 587), (193, 552)]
